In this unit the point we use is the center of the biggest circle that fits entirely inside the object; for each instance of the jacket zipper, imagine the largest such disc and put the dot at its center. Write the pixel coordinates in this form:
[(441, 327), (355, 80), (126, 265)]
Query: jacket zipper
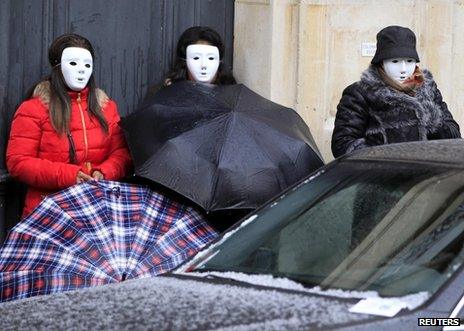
[(87, 164)]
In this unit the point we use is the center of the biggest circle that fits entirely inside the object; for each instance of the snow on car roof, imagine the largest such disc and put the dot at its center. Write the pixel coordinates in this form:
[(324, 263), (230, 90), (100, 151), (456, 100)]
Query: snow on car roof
[(163, 303), (435, 151), (410, 301)]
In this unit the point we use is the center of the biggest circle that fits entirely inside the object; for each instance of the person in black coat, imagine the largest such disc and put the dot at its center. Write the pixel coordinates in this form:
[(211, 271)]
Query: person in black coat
[(394, 101)]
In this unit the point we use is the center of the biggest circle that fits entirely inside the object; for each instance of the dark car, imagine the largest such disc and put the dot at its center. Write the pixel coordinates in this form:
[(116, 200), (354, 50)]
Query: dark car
[(374, 240)]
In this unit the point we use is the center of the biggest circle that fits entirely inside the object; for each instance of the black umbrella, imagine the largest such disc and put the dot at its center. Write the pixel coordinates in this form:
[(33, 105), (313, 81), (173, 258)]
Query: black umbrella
[(223, 147)]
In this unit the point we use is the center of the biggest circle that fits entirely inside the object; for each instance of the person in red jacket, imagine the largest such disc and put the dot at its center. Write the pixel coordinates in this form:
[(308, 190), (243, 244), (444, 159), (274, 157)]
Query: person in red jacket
[(66, 132)]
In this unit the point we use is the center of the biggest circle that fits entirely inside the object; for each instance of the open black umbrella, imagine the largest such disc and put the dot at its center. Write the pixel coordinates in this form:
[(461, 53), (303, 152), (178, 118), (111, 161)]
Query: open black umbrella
[(223, 147)]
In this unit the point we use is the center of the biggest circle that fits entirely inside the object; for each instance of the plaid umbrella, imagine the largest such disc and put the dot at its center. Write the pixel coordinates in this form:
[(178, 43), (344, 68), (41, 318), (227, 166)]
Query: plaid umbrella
[(98, 233)]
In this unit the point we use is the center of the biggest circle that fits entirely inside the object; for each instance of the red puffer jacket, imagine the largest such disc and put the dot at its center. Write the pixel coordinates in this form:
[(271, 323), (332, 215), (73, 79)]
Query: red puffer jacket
[(38, 156)]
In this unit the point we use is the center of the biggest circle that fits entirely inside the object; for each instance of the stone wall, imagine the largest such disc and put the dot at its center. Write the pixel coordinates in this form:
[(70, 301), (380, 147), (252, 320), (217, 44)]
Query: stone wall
[(302, 54)]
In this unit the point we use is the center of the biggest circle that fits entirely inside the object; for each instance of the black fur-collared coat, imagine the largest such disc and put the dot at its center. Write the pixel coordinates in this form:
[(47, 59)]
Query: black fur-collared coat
[(372, 113)]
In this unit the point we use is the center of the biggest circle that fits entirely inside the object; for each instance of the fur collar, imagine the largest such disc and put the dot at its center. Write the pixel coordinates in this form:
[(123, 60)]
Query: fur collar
[(424, 102), (371, 80), (42, 91)]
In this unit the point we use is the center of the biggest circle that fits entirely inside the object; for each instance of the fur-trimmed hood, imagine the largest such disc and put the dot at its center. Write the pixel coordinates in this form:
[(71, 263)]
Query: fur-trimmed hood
[(42, 91)]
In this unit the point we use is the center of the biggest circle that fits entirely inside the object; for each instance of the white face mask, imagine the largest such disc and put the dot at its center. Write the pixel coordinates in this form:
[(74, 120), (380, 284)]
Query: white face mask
[(202, 62), (77, 67), (399, 69)]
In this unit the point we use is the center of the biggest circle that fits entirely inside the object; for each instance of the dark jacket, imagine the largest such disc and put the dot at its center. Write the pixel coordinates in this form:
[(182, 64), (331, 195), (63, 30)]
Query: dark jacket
[(372, 113)]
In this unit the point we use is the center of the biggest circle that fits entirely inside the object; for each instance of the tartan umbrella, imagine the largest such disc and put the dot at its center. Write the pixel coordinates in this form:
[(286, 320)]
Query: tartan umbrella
[(98, 233)]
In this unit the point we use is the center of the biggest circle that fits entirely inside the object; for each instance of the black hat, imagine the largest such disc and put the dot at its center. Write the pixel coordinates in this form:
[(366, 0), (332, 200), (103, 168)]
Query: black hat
[(393, 42)]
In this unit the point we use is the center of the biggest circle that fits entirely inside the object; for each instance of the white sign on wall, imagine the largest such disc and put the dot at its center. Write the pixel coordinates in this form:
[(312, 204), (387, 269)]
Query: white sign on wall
[(368, 49)]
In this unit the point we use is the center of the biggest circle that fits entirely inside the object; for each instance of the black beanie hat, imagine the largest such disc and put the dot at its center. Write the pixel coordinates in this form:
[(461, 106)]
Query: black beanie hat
[(394, 42)]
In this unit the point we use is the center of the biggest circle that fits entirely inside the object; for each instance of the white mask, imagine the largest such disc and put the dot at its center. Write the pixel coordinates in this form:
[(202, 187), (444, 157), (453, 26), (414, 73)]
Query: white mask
[(77, 67), (399, 69), (202, 62)]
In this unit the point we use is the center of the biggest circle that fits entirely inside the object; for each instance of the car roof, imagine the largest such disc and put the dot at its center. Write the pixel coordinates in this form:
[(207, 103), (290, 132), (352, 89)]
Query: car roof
[(179, 303), (450, 151)]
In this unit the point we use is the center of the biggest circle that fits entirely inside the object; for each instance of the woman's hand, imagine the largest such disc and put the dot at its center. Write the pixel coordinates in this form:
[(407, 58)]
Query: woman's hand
[(82, 177), (97, 175)]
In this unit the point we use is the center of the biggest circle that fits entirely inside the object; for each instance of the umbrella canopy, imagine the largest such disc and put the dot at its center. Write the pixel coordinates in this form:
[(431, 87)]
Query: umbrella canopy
[(98, 233), (223, 147)]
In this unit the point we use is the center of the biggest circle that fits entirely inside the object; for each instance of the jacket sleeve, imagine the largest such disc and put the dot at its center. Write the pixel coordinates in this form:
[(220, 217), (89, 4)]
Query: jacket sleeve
[(448, 128), (350, 122), (22, 158), (118, 163)]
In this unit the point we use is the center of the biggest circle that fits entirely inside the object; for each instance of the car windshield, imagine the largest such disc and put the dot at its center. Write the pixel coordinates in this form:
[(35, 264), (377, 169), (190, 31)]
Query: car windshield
[(396, 228)]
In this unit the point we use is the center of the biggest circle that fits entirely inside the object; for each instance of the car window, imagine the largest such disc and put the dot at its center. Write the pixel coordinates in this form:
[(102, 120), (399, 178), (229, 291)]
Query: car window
[(391, 227)]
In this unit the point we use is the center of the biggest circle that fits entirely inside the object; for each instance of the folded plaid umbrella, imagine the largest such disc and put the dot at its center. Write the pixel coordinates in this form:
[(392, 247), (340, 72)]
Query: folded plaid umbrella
[(98, 233)]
